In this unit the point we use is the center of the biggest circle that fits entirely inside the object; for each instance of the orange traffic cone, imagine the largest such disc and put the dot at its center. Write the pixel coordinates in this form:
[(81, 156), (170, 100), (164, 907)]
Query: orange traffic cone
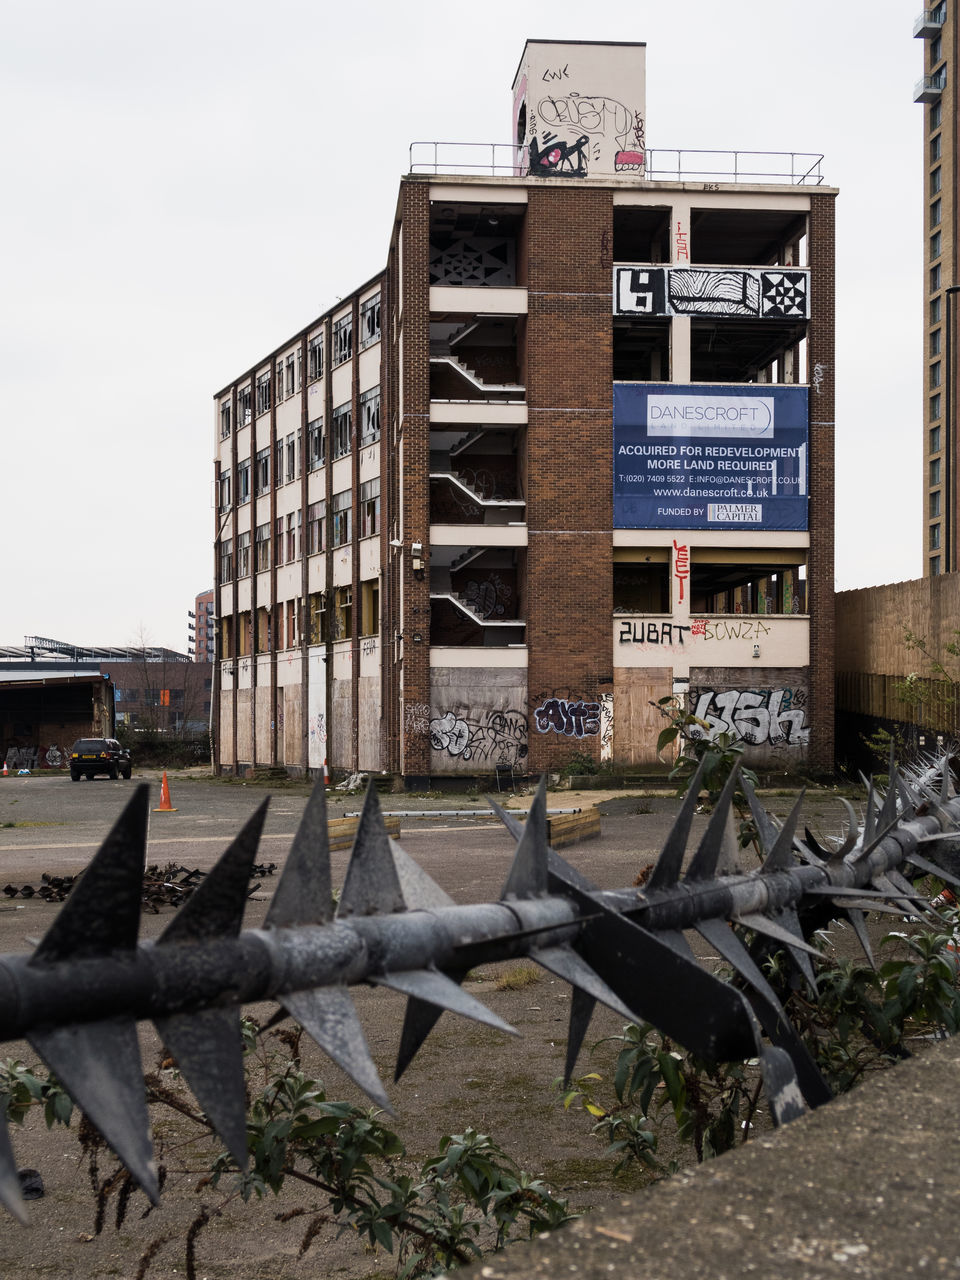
[(5, 769), (164, 806), (326, 772)]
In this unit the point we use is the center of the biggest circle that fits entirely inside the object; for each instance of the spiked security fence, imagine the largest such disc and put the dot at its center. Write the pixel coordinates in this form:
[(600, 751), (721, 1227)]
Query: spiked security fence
[(78, 996)]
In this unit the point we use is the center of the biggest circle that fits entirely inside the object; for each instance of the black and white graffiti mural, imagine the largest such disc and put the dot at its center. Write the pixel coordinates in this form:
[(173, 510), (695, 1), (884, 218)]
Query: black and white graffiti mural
[(472, 260), (485, 737), (760, 717), (764, 293)]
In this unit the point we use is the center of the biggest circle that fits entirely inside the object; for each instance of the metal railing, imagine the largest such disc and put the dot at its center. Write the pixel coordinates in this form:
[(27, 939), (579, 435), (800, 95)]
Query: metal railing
[(502, 159)]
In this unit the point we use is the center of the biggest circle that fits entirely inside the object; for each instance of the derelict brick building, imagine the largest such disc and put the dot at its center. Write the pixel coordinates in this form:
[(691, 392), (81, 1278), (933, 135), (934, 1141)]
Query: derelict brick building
[(570, 453)]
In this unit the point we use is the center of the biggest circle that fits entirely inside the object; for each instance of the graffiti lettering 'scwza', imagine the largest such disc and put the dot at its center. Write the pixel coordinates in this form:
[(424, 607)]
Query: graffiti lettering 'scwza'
[(573, 719)]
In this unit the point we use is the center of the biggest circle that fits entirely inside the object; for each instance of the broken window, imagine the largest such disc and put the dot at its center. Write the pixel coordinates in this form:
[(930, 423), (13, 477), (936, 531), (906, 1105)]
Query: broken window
[(315, 357), (316, 444), (262, 547), (370, 321), (370, 416), (342, 511), (243, 554), (370, 508), (342, 430), (342, 340), (316, 516)]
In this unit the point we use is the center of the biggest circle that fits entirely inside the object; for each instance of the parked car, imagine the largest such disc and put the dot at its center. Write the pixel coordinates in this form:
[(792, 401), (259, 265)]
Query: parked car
[(90, 756)]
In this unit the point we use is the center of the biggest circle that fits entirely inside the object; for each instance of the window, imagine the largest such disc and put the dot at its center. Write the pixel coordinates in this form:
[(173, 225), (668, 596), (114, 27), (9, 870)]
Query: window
[(342, 430), (936, 115), (279, 381), (315, 357), (934, 537), (224, 419), (936, 245), (343, 613), (316, 515), (370, 508), (226, 560), (935, 342), (935, 147), (291, 376), (934, 414), (342, 340), (278, 464), (243, 482), (262, 547), (293, 446), (935, 374), (318, 618), (936, 50), (342, 509), (299, 368), (243, 407), (224, 494), (934, 566), (936, 179), (936, 212), (293, 623), (935, 503), (935, 439), (278, 542), (935, 311), (243, 555), (293, 536), (370, 416), (316, 444), (370, 321), (370, 603), (934, 471), (262, 473), (935, 278)]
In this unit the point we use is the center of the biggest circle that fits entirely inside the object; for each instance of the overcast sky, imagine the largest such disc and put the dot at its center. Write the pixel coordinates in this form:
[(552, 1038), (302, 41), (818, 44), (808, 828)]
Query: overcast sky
[(186, 185)]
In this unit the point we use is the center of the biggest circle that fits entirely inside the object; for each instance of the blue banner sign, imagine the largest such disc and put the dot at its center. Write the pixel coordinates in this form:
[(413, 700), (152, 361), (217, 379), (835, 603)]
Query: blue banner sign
[(709, 457)]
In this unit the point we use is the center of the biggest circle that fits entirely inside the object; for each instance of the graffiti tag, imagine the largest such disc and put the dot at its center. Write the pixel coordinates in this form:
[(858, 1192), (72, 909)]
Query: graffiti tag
[(634, 631), (773, 717), (416, 717), (486, 735), (573, 719)]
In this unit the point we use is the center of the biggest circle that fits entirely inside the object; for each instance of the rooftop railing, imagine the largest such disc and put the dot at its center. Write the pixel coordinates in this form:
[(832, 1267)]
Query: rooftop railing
[(502, 159)]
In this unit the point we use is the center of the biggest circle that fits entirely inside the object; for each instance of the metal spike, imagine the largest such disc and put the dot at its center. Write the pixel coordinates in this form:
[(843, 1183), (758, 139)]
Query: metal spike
[(770, 929), (509, 820), (931, 869), (704, 863), (371, 885), (797, 946), (770, 1011), (419, 1020), (98, 1063), (853, 833), (909, 799), (305, 892), (946, 781), (11, 1196), (566, 964), (215, 908), (780, 1085), (858, 924), (811, 841), (780, 857), (102, 913), (869, 820), (327, 1014), (420, 891), (662, 987), (208, 1047), (765, 825), (666, 873), (582, 1005), (434, 987), (528, 874)]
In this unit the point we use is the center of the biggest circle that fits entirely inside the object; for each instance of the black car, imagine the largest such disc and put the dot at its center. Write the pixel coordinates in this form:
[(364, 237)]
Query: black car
[(90, 756)]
